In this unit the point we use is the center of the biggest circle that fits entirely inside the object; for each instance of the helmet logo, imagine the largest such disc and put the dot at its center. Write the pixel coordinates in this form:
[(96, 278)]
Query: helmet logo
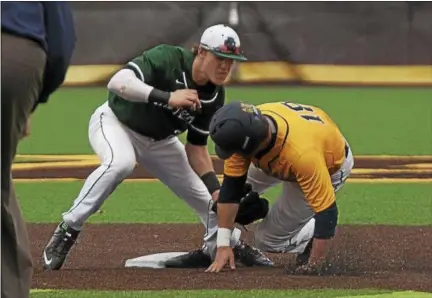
[(230, 46), (250, 109)]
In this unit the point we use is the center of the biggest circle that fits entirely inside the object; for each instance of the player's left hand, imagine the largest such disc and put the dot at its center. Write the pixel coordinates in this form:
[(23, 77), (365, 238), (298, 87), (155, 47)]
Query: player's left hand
[(224, 256), (317, 260), (310, 269)]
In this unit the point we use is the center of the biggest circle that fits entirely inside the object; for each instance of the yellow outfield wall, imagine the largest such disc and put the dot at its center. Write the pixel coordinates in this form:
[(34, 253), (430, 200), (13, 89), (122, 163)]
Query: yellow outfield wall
[(262, 72)]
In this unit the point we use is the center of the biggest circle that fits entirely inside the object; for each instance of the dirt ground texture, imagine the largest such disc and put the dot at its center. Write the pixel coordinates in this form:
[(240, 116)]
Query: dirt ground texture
[(367, 257), (387, 257)]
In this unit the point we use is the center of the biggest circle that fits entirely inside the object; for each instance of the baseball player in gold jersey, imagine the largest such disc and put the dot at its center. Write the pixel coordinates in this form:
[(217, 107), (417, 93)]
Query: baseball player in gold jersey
[(280, 142)]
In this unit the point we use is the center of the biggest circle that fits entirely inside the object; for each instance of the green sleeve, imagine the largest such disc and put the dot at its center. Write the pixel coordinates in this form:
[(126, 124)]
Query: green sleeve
[(155, 64)]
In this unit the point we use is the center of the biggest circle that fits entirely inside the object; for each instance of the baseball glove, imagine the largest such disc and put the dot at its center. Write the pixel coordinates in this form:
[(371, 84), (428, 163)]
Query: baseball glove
[(252, 207)]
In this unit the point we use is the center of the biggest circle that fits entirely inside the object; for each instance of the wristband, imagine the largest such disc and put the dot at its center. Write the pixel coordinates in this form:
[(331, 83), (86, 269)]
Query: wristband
[(223, 237), (211, 181), (159, 96)]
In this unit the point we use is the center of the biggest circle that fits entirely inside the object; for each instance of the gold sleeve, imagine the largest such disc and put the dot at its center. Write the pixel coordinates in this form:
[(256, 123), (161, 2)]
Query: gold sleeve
[(315, 181), (236, 166)]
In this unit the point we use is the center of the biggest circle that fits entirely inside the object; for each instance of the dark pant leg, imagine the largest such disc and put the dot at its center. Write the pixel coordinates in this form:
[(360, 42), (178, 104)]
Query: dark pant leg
[(23, 62)]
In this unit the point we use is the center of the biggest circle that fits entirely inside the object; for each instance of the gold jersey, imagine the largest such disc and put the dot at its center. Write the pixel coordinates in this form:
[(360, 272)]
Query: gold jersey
[(308, 147)]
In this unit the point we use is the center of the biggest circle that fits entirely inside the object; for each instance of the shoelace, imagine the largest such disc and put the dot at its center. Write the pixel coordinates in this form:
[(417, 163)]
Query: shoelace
[(65, 243), (257, 251), (254, 250)]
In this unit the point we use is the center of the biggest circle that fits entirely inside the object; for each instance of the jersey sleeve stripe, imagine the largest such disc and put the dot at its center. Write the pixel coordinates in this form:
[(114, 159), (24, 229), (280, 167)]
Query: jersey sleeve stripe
[(137, 70), (204, 132)]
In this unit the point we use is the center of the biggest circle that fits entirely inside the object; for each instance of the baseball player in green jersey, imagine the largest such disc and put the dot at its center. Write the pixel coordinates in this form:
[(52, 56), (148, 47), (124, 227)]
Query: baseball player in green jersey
[(155, 97)]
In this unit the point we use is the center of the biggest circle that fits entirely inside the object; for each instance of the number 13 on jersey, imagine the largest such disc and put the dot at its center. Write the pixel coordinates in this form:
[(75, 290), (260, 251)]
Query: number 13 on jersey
[(301, 108)]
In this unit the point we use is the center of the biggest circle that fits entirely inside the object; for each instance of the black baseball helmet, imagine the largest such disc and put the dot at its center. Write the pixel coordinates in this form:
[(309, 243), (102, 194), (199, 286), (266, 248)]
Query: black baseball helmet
[(237, 127)]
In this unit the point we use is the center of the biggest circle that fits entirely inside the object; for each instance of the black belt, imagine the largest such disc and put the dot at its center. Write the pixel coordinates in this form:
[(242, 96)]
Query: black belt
[(346, 150)]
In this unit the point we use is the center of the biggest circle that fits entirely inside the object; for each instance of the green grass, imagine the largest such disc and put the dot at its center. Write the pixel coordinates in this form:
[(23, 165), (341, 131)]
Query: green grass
[(394, 121), (398, 204), (239, 294), (375, 120)]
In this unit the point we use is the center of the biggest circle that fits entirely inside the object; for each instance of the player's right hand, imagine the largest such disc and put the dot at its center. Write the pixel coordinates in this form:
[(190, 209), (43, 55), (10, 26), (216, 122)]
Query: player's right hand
[(224, 256), (185, 98)]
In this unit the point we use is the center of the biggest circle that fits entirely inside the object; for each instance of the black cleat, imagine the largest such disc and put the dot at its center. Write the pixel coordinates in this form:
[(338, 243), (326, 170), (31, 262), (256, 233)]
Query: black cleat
[(194, 259), (303, 258), (250, 256), (58, 247), (243, 253)]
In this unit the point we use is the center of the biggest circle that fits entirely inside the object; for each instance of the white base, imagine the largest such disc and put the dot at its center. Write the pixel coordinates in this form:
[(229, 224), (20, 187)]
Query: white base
[(155, 261)]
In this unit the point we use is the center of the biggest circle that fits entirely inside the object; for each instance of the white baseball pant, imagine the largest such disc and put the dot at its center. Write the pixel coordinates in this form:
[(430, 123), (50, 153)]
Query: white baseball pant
[(118, 149), (290, 223)]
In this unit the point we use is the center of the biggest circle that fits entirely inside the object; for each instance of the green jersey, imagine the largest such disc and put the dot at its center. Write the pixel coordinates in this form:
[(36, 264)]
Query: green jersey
[(167, 68)]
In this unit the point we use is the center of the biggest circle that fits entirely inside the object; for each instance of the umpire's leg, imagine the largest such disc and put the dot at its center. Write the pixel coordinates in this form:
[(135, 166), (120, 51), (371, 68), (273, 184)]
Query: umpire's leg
[(23, 62)]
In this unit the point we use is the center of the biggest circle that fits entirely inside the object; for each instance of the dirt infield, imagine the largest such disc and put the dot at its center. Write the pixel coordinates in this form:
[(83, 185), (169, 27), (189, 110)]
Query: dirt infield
[(387, 257), (372, 257)]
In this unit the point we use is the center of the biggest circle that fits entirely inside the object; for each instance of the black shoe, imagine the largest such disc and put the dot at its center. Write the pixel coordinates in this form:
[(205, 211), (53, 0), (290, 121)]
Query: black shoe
[(58, 247), (303, 258), (250, 256), (194, 259)]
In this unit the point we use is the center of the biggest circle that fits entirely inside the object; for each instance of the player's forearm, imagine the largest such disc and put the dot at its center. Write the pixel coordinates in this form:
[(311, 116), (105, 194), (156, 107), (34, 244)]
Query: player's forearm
[(199, 159), (226, 217), (325, 229), (201, 163), (126, 85), (320, 248), (230, 196)]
